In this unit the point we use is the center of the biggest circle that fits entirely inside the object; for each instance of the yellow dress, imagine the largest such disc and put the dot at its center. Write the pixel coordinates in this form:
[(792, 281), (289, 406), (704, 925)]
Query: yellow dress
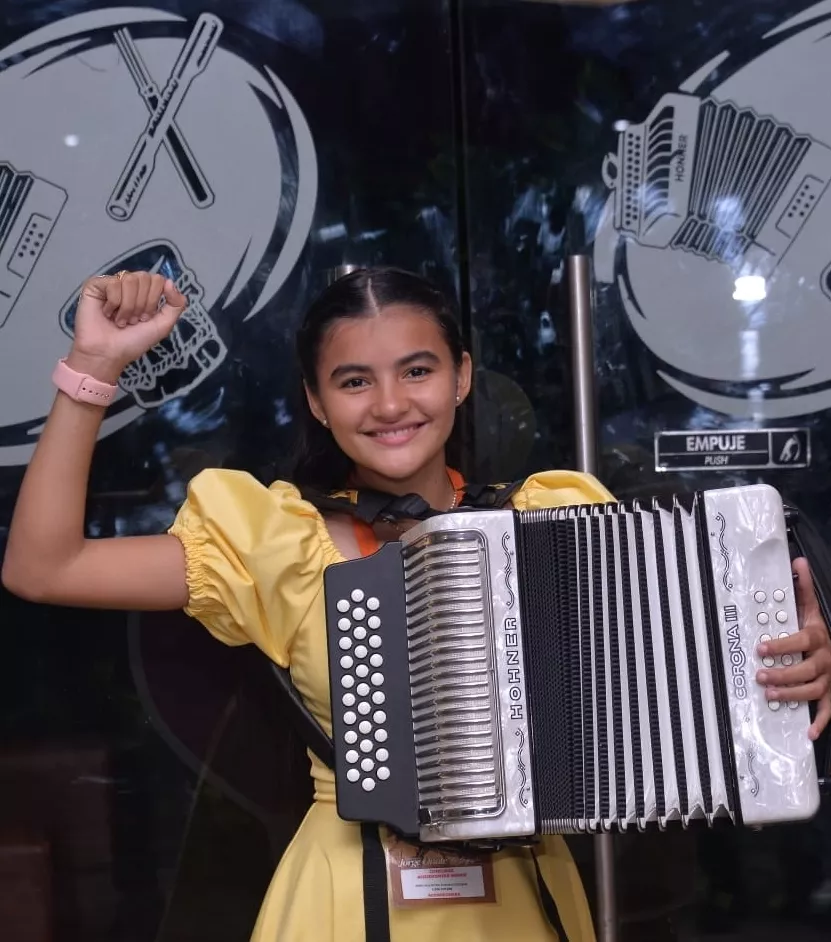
[(255, 561)]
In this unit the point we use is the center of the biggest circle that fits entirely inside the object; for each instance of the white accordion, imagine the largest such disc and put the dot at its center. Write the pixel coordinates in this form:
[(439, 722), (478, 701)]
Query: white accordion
[(498, 675)]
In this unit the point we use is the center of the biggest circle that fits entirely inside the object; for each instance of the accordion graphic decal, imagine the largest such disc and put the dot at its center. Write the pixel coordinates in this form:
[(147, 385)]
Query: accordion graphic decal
[(724, 182), (499, 675)]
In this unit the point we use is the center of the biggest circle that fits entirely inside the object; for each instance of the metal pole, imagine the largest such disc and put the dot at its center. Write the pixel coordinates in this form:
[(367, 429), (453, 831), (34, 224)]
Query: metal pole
[(585, 424)]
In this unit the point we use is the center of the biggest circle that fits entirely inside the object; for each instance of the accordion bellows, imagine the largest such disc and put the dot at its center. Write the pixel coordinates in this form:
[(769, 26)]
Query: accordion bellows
[(501, 675)]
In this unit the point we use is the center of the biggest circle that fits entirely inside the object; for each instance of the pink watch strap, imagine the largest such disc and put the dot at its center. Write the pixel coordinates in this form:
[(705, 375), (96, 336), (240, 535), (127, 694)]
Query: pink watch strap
[(81, 387)]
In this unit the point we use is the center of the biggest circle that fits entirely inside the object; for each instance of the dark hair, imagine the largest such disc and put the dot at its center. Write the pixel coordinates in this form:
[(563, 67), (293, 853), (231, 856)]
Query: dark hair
[(319, 462)]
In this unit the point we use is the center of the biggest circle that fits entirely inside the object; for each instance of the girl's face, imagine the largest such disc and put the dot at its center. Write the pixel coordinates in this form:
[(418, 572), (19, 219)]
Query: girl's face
[(387, 386)]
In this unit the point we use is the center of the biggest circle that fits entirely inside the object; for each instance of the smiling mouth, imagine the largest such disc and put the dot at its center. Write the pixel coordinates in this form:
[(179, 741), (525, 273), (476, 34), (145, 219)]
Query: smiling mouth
[(397, 435)]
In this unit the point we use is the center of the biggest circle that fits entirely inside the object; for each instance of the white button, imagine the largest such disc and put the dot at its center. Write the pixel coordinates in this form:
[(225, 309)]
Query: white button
[(379, 717), (368, 784), (364, 708), (366, 745), (361, 651), (381, 735), (375, 642), (781, 617), (345, 644), (383, 773), (359, 614), (382, 755), (763, 618), (783, 634), (774, 705), (378, 698), (768, 661), (344, 624), (794, 704), (343, 606), (362, 690), (362, 670), (365, 727), (376, 660), (348, 699), (765, 638), (359, 634), (373, 604), (349, 718), (778, 596), (353, 775), (352, 756), (787, 660), (367, 765), (377, 679), (374, 622), (347, 681), (760, 597), (346, 663), (357, 596), (351, 737)]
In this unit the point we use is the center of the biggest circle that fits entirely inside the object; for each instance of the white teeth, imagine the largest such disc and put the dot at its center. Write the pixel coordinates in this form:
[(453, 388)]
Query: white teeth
[(396, 434)]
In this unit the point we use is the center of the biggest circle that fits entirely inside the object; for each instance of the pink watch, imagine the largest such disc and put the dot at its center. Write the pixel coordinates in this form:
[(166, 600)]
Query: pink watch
[(82, 388)]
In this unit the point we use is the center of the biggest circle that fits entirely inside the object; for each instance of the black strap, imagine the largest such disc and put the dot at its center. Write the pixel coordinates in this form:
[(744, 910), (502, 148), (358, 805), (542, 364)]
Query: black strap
[(549, 906), (376, 905), (306, 726)]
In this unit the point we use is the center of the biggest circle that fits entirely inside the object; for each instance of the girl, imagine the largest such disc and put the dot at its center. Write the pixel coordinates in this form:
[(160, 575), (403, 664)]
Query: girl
[(384, 370)]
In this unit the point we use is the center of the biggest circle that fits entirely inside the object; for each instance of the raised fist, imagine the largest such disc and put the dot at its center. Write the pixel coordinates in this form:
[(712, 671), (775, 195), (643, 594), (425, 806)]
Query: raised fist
[(120, 317)]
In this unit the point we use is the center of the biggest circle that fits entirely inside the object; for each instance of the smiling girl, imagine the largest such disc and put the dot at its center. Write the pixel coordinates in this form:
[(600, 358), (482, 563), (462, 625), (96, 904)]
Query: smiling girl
[(384, 370)]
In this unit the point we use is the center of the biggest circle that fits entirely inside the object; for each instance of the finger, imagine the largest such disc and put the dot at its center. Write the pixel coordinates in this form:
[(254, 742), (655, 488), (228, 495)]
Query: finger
[(800, 642), (800, 672), (154, 296), (806, 598), (142, 291), (129, 290), (803, 692), (174, 301), (822, 717), (111, 290)]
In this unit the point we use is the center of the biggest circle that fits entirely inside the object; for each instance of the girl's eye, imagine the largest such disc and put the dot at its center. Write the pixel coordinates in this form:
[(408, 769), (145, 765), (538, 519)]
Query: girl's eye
[(353, 383), (418, 371)]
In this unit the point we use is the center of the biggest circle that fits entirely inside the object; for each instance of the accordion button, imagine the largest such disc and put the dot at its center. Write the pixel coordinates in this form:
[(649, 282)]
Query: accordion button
[(350, 738), (781, 617), (347, 681), (346, 662), (367, 765), (343, 606), (362, 670), (762, 618), (357, 595), (760, 597), (365, 727), (383, 773), (352, 756), (353, 775), (783, 634), (361, 651), (368, 784), (375, 642), (787, 660), (359, 634), (349, 699), (774, 705), (366, 746), (765, 638), (363, 690), (381, 735), (349, 718), (379, 717), (382, 755), (377, 679), (374, 622), (768, 661), (793, 705), (778, 596), (373, 604), (364, 708), (345, 644), (376, 660), (344, 624), (359, 614), (378, 698)]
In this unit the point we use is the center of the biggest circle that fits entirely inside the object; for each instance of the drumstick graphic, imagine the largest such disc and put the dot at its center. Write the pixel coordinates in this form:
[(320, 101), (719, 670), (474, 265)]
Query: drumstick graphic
[(192, 60), (175, 144)]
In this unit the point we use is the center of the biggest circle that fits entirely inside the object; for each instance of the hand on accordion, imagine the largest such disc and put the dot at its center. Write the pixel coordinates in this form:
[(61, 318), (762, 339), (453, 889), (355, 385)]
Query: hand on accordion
[(810, 678)]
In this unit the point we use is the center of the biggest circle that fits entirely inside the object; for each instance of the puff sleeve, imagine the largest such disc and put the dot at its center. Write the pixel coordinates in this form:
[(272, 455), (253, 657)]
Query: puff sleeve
[(254, 559), (559, 489)]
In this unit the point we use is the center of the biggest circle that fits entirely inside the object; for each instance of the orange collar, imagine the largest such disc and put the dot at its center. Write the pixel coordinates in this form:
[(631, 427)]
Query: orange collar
[(368, 542)]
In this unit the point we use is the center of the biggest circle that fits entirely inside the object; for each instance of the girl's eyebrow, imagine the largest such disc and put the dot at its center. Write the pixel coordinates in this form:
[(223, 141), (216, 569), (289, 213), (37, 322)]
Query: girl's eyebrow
[(404, 361)]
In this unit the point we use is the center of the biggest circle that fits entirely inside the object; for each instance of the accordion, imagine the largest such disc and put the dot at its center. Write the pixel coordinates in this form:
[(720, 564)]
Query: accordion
[(723, 182), (500, 675)]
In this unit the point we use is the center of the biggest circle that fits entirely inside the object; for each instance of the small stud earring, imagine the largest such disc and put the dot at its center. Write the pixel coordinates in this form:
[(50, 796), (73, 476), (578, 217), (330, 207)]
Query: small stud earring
[(458, 399), (325, 424)]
